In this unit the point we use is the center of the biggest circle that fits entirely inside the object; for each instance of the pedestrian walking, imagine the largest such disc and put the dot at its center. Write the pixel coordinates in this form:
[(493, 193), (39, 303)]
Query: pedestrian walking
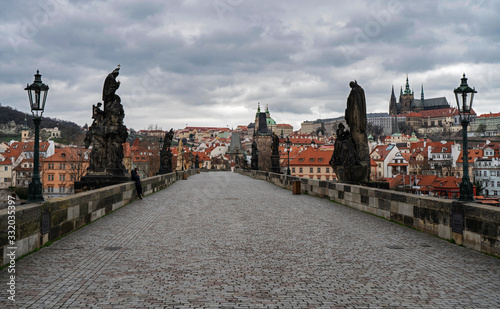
[(137, 178)]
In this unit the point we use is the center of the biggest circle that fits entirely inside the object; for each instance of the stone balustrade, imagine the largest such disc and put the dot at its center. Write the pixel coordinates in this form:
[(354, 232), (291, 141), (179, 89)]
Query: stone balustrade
[(36, 224), (472, 225)]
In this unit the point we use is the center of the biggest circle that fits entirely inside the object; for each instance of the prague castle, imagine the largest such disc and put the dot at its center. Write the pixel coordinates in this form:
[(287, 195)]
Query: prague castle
[(407, 102)]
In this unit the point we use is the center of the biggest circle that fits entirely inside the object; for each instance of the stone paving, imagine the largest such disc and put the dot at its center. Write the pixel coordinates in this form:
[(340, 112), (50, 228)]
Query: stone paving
[(223, 240)]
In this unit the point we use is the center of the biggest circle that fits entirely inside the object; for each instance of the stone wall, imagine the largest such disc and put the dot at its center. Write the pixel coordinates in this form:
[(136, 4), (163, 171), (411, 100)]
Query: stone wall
[(473, 225), (36, 224)]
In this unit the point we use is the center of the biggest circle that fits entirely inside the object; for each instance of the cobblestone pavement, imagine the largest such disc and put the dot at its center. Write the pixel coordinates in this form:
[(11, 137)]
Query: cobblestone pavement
[(223, 240)]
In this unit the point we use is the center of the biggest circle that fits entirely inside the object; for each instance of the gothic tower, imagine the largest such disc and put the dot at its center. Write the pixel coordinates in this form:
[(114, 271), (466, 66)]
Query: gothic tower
[(393, 108), (406, 98)]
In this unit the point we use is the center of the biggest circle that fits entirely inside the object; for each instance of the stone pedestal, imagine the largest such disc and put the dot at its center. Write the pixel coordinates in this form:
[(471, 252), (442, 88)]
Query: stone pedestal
[(355, 174), (109, 177), (275, 164)]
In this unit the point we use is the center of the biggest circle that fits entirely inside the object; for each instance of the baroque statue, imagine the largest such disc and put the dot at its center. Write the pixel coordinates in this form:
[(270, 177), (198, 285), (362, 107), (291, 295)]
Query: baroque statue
[(351, 157), (106, 136), (275, 154), (254, 164), (166, 153)]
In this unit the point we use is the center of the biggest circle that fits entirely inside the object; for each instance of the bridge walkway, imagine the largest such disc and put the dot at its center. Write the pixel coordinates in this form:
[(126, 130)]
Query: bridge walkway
[(223, 240)]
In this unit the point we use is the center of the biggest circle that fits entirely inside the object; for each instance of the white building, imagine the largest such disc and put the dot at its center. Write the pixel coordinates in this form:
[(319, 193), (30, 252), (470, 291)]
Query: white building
[(487, 172)]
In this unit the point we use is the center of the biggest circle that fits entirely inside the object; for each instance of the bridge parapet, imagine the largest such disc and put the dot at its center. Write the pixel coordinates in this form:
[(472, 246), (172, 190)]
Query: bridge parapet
[(473, 225), (36, 224)]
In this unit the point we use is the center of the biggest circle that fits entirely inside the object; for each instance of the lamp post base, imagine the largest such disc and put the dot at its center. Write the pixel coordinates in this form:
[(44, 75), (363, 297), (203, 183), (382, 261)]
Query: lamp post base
[(35, 192), (466, 191)]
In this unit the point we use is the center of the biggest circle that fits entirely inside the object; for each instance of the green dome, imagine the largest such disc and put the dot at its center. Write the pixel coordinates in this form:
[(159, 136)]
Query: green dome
[(270, 121)]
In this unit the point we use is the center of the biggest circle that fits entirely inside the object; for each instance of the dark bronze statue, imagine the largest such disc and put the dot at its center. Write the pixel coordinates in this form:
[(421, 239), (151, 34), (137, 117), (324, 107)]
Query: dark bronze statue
[(351, 158), (106, 136), (254, 164), (275, 154), (110, 86), (166, 153), (196, 161)]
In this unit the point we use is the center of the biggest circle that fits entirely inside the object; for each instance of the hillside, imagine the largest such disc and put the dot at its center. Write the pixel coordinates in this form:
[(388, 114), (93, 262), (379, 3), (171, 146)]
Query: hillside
[(71, 132)]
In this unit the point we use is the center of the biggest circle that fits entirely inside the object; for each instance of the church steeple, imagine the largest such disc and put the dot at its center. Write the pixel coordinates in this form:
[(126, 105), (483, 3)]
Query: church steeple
[(393, 108), (422, 94)]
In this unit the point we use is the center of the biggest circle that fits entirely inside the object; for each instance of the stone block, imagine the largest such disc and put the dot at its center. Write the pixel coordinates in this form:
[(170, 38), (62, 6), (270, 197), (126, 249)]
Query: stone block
[(472, 240), (398, 197), (444, 231), (27, 229), (472, 225), (67, 227), (348, 196), (57, 217), (406, 209), (73, 212), (97, 214), (29, 214)]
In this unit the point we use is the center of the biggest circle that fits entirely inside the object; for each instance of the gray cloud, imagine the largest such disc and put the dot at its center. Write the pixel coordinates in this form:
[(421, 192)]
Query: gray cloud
[(210, 62)]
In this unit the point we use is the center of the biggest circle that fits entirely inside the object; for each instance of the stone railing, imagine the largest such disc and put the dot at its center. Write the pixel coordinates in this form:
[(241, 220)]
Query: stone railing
[(472, 225), (36, 224)]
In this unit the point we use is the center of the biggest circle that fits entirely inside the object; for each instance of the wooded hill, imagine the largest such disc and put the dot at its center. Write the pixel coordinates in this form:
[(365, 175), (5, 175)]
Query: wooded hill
[(70, 131)]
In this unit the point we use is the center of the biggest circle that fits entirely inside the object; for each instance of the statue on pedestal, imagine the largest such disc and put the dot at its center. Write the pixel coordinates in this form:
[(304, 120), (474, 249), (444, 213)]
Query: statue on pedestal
[(351, 157), (275, 154), (106, 136), (166, 153), (254, 164)]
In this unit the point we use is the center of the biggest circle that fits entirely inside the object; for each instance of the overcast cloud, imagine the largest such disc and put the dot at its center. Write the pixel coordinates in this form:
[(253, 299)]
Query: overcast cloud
[(209, 62)]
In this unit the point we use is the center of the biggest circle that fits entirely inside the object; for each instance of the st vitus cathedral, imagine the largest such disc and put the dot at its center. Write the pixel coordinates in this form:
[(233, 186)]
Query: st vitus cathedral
[(407, 102)]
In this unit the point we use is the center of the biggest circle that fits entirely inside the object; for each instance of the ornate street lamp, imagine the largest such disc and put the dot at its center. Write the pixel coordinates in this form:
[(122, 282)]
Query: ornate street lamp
[(288, 145), (37, 94), (464, 96), (160, 142)]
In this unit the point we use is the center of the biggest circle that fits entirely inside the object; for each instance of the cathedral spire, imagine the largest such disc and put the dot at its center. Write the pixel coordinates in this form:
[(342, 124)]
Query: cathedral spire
[(393, 108), (407, 86), (422, 94)]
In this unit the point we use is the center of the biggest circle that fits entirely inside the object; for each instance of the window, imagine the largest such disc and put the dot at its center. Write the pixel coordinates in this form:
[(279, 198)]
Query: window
[(62, 177), (319, 170), (300, 169), (50, 177), (61, 189), (327, 171), (62, 166), (498, 183), (6, 168), (311, 170), (493, 173)]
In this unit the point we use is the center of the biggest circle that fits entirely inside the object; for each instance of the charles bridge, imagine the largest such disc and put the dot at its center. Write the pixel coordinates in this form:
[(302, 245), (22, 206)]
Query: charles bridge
[(227, 240)]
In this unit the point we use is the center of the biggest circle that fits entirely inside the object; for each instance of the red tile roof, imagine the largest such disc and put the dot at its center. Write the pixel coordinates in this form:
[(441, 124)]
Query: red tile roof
[(312, 156)]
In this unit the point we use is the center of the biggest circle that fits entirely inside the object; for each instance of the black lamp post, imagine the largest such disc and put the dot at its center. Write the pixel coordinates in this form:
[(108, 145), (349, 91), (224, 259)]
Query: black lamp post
[(37, 94), (160, 142), (288, 146), (464, 96)]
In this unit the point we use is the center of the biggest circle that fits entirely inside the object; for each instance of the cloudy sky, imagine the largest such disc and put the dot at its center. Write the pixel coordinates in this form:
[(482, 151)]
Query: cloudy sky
[(209, 62)]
